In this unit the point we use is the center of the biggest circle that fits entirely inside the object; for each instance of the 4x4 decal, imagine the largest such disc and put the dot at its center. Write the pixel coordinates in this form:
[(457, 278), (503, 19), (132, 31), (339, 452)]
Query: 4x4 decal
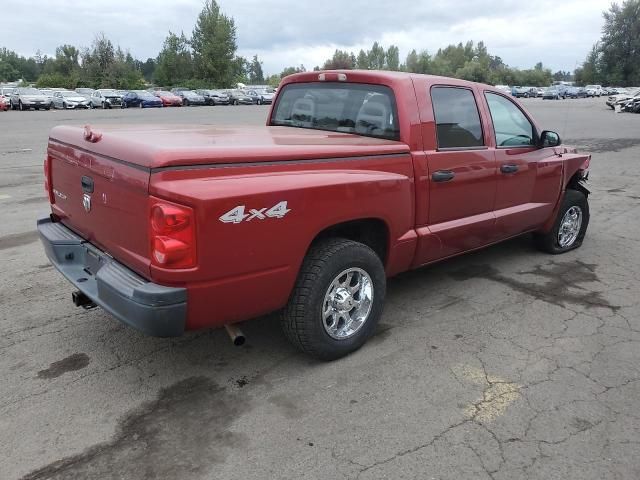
[(238, 215)]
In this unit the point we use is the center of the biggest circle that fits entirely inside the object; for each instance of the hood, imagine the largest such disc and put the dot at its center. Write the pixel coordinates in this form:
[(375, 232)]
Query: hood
[(621, 96), (160, 146), (34, 97), (76, 98)]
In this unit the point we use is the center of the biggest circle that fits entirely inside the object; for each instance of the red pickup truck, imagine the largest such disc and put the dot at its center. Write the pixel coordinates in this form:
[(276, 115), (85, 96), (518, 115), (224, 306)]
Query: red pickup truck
[(356, 177)]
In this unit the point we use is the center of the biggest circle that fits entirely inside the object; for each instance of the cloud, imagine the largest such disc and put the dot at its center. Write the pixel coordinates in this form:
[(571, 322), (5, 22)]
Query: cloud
[(293, 32)]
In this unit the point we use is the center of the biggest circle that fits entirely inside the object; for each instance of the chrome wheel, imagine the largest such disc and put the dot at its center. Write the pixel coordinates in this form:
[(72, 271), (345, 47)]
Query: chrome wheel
[(570, 227), (347, 303)]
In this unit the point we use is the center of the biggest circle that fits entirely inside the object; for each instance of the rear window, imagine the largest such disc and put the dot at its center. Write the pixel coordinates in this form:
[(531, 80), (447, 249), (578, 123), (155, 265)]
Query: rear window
[(362, 109)]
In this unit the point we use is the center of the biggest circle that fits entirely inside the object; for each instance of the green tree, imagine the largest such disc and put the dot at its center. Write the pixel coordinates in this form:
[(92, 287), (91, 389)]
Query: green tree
[(214, 46), (362, 61), (254, 71), (291, 70), (418, 62), (174, 63), (377, 57), (147, 68), (341, 60), (392, 58), (620, 44), (98, 61)]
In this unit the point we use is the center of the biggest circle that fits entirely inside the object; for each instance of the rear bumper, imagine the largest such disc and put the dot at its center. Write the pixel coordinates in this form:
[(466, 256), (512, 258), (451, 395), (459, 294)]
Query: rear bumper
[(153, 309)]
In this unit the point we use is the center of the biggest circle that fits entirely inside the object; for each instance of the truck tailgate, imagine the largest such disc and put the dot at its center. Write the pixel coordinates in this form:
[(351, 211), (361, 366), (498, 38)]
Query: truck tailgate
[(104, 200)]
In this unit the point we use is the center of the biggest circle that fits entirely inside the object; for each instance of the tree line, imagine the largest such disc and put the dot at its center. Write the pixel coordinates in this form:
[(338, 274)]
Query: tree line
[(208, 57), (615, 59), (469, 61)]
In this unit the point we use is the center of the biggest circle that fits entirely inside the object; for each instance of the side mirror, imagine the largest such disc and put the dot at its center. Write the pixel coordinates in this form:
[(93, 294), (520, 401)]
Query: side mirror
[(549, 139)]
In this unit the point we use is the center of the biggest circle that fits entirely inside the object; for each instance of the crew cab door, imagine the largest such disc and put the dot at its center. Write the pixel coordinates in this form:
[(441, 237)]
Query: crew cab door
[(460, 175), (528, 178)]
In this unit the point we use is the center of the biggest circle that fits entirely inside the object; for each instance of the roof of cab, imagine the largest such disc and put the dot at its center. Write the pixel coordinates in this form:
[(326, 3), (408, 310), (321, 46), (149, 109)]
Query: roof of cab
[(376, 76)]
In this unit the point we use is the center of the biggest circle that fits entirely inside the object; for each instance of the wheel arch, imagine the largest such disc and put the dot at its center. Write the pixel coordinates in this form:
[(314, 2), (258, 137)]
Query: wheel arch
[(373, 232)]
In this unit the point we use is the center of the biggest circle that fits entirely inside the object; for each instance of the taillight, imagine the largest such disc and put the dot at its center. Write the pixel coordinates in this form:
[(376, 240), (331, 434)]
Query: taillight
[(173, 235), (47, 178)]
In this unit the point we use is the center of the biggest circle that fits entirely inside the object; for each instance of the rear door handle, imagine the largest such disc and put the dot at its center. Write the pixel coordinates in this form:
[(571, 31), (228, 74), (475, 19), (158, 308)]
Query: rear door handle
[(509, 168), (442, 176)]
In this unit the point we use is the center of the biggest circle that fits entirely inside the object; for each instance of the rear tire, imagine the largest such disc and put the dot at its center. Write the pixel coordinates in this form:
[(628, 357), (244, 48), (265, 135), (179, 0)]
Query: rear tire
[(318, 317), (570, 226)]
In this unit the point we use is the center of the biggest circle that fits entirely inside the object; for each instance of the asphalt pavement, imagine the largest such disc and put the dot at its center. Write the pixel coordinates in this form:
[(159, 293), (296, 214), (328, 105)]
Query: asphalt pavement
[(502, 364)]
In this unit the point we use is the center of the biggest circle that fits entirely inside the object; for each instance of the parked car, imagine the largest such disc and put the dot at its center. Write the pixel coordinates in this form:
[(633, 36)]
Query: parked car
[(238, 97), (614, 100), (168, 99), (48, 92), (260, 96), (191, 98), (540, 91), (311, 213), (219, 97), (177, 90), (214, 97), (7, 91), (4, 103), (551, 93), (576, 92), (85, 92), (140, 99), (208, 100), (562, 89), (106, 98), (524, 92), (629, 104), (594, 90), (69, 100), (25, 98), (503, 88)]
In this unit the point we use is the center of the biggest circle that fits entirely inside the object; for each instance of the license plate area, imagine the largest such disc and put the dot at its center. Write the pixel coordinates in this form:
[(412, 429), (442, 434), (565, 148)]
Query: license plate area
[(93, 261)]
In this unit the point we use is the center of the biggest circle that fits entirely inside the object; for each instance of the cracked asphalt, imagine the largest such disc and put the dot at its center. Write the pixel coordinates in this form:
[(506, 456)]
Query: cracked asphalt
[(502, 364)]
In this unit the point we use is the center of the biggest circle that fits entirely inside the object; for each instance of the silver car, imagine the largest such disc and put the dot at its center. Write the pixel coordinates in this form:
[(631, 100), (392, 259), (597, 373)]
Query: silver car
[(106, 98), (25, 98), (85, 92), (69, 100)]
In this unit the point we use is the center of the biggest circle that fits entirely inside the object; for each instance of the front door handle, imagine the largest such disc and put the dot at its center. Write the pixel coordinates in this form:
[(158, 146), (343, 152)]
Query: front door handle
[(509, 168), (442, 176)]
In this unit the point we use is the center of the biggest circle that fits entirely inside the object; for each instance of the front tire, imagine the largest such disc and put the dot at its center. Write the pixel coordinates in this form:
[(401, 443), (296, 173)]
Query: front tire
[(337, 300), (570, 226)]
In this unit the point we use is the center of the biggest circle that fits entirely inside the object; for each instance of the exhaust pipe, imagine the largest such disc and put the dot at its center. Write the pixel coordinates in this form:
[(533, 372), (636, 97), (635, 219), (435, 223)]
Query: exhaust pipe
[(236, 335), (81, 300)]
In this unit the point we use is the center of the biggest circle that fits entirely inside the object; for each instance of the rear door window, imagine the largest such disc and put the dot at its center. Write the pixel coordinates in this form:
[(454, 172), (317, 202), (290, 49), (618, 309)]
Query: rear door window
[(458, 123)]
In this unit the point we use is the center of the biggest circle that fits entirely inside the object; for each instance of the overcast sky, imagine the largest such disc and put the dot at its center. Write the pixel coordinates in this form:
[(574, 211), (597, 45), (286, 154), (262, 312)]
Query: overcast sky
[(291, 32)]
